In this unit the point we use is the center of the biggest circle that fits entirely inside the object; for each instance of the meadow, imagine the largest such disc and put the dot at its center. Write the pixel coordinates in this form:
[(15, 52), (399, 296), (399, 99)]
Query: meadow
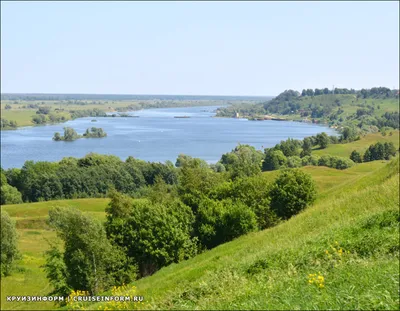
[(344, 150)]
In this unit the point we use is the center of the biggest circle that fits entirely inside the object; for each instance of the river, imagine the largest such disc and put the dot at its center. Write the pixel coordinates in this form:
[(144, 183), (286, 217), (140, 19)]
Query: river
[(154, 136)]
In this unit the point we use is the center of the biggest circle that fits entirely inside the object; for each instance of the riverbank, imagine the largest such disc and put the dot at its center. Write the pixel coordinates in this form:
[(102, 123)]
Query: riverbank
[(23, 112)]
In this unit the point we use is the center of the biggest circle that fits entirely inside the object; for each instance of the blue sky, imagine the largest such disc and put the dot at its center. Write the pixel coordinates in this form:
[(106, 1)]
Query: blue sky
[(197, 48)]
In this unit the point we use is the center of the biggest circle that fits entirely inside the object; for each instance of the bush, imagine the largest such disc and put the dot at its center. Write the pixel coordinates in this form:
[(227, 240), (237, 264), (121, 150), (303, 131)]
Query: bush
[(9, 194), (9, 251), (243, 161), (253, 193), (152, 235), (294, 162), (293, 191), (339, 163), (310, 160), (274, 160), (222, 221)]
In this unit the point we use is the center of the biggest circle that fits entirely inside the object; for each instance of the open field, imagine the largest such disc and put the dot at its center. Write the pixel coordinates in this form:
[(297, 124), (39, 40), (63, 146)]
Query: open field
[(332, 184), (344, 150)]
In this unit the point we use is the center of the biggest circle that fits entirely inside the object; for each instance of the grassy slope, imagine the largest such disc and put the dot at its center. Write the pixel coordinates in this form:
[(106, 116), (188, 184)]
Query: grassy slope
[(344, 150), (34, 234), (361, 216), (349, 105)]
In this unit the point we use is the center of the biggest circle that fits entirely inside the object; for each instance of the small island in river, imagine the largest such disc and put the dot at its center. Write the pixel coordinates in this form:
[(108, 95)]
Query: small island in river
[(70, 134)]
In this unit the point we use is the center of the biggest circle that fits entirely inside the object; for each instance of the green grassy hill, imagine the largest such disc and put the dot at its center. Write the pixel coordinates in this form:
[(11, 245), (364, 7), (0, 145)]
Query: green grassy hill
[(344, 150), (349, 238), (357, 207)]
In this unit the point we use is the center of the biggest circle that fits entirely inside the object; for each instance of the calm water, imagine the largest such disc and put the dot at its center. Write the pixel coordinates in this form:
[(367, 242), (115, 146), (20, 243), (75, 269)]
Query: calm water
[(155, 136)]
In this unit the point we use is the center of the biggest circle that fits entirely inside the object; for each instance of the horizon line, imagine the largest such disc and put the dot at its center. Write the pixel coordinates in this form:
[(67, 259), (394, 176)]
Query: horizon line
[(126, 94)]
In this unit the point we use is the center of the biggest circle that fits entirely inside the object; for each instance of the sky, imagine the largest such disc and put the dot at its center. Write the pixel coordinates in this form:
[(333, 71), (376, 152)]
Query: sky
[(197, 48)]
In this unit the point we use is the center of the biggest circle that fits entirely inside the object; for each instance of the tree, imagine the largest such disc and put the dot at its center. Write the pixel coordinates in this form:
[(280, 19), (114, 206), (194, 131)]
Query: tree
[(218, 222), (43, 110), (57, 136), (70, 134), (89, 261), (322, 140), (293, 161), (253, 193), (152, 235), (293, 191), (348, 134), (9, 251), (289, 147), (184, 159), (367, 156), (389, 150), (274, 160), (94, 132), (307, 147), (196, 181), (243, 161), (39, 119), (355, 156), (310, 92), (9, 194), (318, 92)]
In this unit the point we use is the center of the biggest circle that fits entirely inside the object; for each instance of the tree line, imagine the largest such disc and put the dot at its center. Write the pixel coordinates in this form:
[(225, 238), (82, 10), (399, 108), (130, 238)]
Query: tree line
[(92, 175), (378, 151)]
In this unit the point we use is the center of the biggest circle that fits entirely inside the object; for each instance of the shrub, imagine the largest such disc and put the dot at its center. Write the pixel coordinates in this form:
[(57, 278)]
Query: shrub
[(274, 160), (243, 161), (294, 161), (9, 251), (222, 221), (153, 235), (293, 191)]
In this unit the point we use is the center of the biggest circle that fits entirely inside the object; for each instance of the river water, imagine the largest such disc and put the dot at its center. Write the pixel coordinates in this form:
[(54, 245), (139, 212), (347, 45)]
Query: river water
[(155, 136)]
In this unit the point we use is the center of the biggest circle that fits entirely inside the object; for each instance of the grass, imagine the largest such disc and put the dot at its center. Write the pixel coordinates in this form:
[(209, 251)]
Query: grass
[(34, 234), (344, 150), (219, 278), (270, 269)]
